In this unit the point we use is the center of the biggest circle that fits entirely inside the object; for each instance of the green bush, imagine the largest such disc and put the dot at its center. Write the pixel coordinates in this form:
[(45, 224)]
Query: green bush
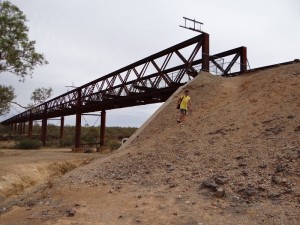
[(113, 144), (28, 144), (66, 142)]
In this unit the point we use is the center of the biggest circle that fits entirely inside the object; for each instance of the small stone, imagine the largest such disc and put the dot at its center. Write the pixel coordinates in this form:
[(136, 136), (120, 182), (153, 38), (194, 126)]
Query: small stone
[(239, 157), (71, 212), (197, 153), (221, 180), (173, 185), (284, 180), (280, 168), (245, 173), (242, 164), (249, 191), (210, 183), (219, 193), (262, 166), (297, 129)]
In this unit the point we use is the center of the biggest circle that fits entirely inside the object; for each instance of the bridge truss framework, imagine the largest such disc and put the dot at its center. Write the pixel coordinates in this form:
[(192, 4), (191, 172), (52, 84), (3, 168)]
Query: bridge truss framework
[(149, 80)]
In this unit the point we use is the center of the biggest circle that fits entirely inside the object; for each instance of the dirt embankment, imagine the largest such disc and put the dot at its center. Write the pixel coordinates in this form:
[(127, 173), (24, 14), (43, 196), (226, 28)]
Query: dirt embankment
[(22, 170), (236, 160)]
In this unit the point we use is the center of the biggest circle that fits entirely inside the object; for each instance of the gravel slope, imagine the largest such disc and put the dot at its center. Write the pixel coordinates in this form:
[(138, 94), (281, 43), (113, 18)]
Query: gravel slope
[(235, 161)]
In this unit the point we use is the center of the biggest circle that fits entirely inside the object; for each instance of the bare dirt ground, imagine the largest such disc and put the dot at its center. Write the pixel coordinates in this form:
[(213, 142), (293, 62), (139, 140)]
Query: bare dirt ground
[(236, 160), (24, 170)]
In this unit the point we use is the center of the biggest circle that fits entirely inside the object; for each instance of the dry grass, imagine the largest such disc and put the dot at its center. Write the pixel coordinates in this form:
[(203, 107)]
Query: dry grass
[(60, 168), (7, 144), (18, 187)]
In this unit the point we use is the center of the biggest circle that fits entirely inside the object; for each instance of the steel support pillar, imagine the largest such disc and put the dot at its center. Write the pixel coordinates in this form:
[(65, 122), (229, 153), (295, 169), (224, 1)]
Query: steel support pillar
[(205, 53), (30, 128), (24, 128), (243, 58), (16, 127), (102, 128), (77, 130), (44, 131), (20, 128), (62, 124)]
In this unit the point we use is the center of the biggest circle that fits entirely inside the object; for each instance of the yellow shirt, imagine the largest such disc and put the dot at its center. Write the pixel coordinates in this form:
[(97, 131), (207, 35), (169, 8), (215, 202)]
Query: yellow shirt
[(184, 102)]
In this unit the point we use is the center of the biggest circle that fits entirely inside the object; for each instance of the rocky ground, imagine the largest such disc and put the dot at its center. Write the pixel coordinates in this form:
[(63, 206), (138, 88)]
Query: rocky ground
[(235, 161)]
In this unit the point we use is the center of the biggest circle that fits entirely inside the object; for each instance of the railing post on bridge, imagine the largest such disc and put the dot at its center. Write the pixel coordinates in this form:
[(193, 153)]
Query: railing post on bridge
[(102, 130), (205, 52)]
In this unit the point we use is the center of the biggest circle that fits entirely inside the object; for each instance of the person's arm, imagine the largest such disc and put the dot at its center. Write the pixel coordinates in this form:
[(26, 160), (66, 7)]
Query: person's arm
[(190, 105), (179, 100)]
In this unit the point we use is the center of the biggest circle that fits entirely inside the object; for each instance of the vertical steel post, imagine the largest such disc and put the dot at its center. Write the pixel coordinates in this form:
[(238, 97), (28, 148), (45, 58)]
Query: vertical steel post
[(24, 128), (44, 131), (62, 124), (243, 60), (44, 126), (102, 129), (16, 127), (77, 130), (30, 128), (78, 120), (205, 52), (20, 128)]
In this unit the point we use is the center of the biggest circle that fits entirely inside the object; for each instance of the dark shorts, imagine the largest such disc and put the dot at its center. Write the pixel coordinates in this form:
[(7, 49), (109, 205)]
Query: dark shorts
[(183, 111)]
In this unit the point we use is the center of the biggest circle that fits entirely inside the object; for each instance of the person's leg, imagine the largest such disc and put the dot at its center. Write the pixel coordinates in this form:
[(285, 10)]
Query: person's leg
[(182, 116)]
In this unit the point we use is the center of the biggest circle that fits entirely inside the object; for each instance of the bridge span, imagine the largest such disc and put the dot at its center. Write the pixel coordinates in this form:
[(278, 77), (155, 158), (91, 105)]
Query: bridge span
[(150, 80)]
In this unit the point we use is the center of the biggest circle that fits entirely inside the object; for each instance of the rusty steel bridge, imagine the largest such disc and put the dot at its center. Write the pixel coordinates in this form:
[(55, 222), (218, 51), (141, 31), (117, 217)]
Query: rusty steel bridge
[(149, 80)]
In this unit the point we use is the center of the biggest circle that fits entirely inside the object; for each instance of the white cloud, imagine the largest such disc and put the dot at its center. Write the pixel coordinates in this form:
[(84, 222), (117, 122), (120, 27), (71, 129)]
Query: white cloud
[(84, 40)]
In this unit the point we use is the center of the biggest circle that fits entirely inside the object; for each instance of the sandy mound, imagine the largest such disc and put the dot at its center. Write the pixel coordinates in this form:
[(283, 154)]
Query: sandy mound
[(235, 160), (243, 132)]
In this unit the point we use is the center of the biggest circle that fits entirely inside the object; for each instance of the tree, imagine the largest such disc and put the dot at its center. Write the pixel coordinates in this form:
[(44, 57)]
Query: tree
[(6, 96), (17, 52), (40, 95)]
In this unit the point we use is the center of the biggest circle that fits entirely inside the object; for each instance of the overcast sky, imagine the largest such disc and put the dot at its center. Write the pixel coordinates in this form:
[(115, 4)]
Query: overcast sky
[(87, 39)]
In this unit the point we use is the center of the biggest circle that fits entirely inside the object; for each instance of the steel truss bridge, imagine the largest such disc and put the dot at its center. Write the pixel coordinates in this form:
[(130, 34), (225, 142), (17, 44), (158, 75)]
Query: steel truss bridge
[(149, 80)]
